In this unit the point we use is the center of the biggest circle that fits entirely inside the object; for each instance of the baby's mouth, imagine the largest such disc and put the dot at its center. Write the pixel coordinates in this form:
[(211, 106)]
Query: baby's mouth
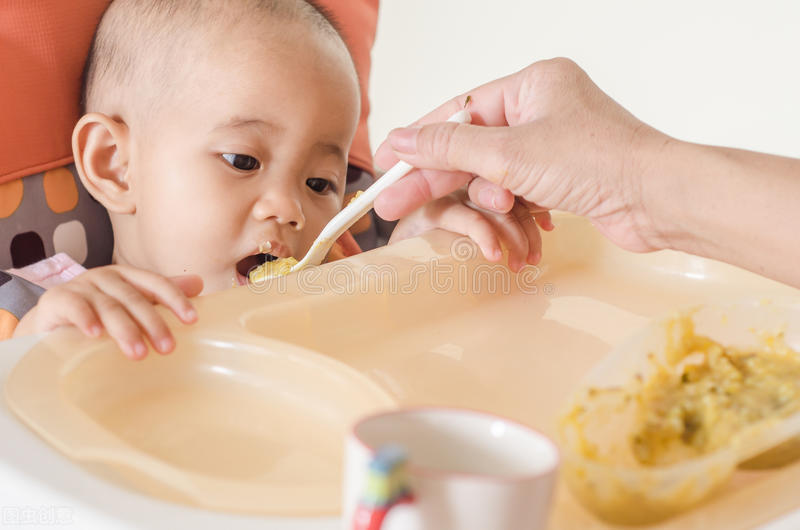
[(245, 265)]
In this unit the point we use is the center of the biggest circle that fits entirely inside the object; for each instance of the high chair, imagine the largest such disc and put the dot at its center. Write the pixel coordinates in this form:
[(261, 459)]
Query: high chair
[(44, 208)]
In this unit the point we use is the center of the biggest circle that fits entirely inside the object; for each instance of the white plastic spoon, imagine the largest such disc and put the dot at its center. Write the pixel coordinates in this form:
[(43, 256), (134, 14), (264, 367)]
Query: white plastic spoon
[(358, 207)]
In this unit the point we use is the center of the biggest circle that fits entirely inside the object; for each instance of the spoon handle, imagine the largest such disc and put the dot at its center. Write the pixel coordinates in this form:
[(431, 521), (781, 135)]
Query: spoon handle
[(359, 206)]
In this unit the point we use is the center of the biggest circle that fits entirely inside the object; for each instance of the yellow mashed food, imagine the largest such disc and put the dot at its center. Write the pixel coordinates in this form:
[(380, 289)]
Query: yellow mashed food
[(690, 402), (358, 194), (278, 267), (708, 394), (702, 394)]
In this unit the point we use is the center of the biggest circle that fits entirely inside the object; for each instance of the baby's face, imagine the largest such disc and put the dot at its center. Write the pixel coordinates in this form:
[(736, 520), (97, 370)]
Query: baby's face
[(253, 152)]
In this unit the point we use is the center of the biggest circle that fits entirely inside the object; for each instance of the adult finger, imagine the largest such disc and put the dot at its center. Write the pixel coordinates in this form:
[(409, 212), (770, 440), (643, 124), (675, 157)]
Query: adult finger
[(416, 189)]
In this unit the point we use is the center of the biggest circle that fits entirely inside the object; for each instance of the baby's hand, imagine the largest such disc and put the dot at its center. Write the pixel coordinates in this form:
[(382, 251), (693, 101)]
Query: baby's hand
[(120, 300), (517, 230)]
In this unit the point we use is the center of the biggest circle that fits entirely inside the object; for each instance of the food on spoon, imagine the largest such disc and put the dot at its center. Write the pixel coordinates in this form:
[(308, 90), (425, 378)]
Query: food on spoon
[(269, 269), (355, 196)]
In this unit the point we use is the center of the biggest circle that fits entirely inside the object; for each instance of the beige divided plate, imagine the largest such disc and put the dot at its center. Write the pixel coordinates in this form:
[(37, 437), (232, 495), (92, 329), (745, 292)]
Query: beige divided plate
[(226, 422), (254, 403)]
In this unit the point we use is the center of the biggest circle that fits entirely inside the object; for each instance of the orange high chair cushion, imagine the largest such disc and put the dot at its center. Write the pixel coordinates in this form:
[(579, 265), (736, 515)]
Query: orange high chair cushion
[(358, 20), (43, 45)]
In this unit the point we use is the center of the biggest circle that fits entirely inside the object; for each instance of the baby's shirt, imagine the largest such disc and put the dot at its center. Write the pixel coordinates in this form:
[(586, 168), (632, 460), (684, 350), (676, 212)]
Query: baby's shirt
[(21, 288), (50, 272)]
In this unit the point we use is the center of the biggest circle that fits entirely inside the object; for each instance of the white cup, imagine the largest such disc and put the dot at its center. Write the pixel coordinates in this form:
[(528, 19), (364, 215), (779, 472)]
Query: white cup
[(465, 470)]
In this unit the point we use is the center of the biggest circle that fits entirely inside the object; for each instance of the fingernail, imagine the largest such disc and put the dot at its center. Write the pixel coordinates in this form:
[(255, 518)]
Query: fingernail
[(404, 140), (494, 200), (535, 258), (190, 314), (166, 345), (139, 349), (95, 330), (486, 198)]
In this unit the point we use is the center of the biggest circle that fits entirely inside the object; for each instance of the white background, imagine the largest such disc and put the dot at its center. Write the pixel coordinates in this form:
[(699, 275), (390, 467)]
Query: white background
[(725, 73)]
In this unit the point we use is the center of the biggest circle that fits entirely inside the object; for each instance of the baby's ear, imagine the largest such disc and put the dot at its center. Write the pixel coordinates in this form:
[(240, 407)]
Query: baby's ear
[(100, 146)]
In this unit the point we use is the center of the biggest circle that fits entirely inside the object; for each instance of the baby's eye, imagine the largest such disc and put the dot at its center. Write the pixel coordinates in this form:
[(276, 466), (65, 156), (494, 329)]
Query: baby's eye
[(241, 162), (319, 185)]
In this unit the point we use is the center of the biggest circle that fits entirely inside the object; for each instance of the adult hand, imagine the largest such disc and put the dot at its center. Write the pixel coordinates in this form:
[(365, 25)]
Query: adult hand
[(546, 134), (550, 136)]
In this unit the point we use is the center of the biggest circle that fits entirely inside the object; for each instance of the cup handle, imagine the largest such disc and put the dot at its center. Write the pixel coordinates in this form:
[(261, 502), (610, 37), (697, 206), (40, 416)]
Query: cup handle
[(386, 488)]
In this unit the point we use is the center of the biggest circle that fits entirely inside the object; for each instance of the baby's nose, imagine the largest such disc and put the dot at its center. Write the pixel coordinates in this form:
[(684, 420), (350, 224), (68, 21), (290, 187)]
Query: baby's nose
[(284, 208)]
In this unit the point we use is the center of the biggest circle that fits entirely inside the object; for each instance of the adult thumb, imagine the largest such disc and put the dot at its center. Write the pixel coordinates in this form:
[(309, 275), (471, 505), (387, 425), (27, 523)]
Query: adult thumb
[(474, 149)]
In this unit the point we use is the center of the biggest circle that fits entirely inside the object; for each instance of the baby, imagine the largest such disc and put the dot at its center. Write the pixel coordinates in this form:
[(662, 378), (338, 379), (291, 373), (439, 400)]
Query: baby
[(215, 131)]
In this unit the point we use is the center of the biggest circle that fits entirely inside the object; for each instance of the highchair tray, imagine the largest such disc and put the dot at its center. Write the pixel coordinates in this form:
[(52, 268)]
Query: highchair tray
[(250, 411)]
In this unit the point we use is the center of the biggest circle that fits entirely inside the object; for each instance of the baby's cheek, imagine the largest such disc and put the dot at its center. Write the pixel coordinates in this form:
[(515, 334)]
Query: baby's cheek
[(317, 216)]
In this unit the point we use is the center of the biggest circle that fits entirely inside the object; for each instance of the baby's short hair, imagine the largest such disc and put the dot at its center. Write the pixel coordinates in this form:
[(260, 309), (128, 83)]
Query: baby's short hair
[(136, 40)]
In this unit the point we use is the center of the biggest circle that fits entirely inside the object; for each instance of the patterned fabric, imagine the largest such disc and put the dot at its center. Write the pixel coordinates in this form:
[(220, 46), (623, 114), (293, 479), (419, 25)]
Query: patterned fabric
[(51, 212), (46, 214)]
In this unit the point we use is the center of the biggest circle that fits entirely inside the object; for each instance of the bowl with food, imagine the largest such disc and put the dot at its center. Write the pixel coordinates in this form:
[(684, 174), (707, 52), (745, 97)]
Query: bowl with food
[(664, 420)]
